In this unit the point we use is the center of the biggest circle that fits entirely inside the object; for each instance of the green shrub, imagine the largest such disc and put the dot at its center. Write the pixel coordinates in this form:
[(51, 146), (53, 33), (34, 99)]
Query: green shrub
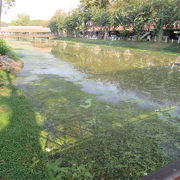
[(6, 50), (73, 172)]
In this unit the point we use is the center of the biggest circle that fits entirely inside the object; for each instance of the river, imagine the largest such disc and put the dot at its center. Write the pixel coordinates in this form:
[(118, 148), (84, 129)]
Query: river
[(129, 99)]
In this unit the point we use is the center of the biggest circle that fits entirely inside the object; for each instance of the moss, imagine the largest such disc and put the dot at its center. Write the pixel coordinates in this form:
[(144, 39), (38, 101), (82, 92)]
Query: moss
[(118, 141)]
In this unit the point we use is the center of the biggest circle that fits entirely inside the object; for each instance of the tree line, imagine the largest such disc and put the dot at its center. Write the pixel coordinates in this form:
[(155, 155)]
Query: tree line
[(129, 14), (21, 19), (133, 16)]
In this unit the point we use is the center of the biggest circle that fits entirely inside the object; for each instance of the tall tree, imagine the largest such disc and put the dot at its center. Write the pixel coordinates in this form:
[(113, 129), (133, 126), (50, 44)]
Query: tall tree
[(6, 4), (95, 3), (56, 23), (22, 20)]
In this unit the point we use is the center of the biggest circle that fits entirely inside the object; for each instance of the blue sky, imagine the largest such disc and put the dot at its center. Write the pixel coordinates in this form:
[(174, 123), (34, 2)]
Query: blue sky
[(38, 9)]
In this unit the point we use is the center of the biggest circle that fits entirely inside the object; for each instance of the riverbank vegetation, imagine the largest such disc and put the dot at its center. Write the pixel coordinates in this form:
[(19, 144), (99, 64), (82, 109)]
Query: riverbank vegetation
[(133, 16), (5, 50), (20, 154)]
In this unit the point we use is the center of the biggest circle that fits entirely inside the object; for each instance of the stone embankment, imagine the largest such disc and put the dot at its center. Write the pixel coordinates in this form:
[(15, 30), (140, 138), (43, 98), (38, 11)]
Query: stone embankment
[(9, 64)]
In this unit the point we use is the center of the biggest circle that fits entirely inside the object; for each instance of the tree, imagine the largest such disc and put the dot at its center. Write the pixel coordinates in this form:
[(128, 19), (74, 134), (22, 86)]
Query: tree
[(102, 18), (22, 20), (6, 4), (137, 15), (164, 14), (94, 3), (35, 22), (72, 23), (57, 22), (54, 27)]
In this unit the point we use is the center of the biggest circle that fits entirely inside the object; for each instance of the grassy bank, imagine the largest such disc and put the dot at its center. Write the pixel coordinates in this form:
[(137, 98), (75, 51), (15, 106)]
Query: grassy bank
[(20, 151), (6, 50), (21, 156), (164, 47)]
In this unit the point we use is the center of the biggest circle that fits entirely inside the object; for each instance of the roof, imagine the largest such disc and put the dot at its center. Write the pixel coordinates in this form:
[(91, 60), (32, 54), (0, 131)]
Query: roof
[(121, 28), (35, 29), (112, 28)]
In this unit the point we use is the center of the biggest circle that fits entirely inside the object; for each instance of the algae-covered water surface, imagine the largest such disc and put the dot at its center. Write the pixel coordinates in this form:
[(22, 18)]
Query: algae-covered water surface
[(106, 113)]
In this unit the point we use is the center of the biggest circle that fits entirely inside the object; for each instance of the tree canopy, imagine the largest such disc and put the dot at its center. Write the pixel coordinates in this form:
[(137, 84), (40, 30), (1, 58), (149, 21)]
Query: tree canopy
[(5, 4), (24, 20), (136, 14)]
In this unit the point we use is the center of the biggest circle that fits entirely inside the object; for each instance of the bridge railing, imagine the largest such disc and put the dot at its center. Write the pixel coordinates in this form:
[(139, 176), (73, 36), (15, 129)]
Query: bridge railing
[(25, 35)]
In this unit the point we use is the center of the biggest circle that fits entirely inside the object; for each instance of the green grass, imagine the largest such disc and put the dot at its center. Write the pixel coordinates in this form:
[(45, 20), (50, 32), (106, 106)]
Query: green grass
[(21, 156), (153, 46)]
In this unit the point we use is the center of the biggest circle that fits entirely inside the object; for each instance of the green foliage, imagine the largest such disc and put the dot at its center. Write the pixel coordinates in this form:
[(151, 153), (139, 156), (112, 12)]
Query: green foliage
[(36, 22), (101, 17), (56, 23), (3, 77), (54, 27), (22, 20), (74, 23), (73, 172), (136, 15), (6, 50), (94, 3), (164, 14)]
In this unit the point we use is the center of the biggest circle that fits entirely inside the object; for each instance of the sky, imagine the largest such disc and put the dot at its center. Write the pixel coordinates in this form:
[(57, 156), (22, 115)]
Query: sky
[(38, 9)]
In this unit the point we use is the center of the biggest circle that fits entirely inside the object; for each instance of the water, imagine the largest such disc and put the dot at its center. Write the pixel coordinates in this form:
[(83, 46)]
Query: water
[(85, 91), (119, 74)]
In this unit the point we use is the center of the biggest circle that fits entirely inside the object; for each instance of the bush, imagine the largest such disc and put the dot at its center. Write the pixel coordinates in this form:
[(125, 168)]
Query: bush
[(6, 50), (74, 172)]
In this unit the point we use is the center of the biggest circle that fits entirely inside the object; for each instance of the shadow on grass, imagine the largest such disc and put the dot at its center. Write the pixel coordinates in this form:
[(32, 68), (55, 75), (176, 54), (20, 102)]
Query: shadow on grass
[(20, 152)]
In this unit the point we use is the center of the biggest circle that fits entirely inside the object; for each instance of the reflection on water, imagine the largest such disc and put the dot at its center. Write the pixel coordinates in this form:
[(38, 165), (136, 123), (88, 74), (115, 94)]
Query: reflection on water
[(121, 97), (113, 75), (136, 74)]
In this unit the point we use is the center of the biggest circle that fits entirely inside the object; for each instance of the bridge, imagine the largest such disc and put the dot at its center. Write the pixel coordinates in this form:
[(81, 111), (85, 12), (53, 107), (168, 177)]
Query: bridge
[(25, 32), (27, 36)]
